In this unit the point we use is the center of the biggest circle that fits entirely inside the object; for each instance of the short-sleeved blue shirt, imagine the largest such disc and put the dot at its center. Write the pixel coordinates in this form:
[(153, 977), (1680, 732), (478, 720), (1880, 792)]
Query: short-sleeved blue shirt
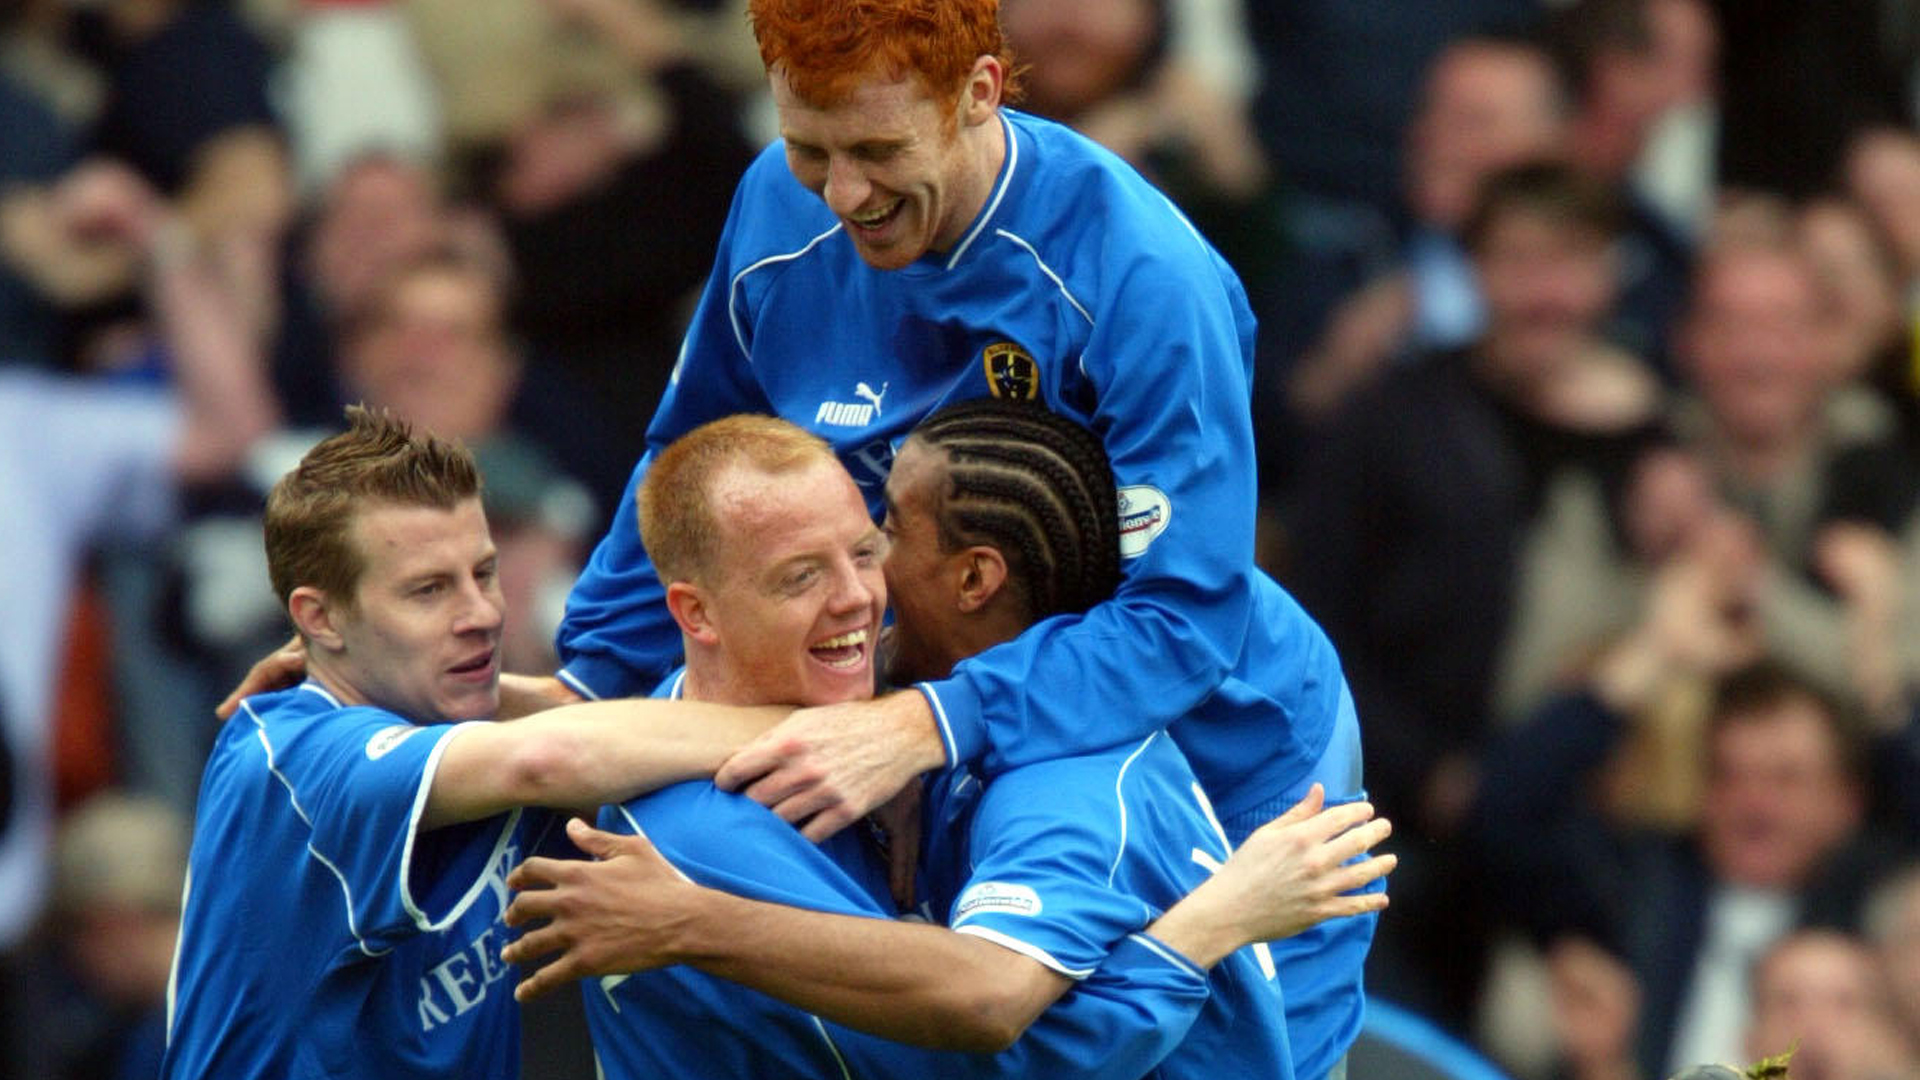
[(325, 935)]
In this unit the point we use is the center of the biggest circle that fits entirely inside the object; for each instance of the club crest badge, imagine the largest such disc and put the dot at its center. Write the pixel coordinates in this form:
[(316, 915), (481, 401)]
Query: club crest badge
[(1011, 372)]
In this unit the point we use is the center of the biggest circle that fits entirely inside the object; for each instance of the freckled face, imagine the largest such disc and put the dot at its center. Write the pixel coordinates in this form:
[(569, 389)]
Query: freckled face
[(889, 163), (798, 596)]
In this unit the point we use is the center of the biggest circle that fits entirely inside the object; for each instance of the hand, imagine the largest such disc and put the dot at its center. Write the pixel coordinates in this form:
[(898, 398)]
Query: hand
[(1291, 874), (1596, 1005), (608, 916), (1860, 561), (1296, 872), (102, 200), (277, 670), (826, 767)]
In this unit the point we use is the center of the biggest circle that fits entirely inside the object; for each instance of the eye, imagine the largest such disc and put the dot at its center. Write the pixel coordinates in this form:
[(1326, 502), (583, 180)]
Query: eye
[(486, 571), (428, 589), (800, 579)]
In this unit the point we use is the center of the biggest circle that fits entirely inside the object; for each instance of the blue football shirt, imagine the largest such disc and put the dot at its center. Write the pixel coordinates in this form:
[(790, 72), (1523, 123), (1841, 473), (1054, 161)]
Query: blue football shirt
[(323, 934), (1131, 1008), (1055, 859)]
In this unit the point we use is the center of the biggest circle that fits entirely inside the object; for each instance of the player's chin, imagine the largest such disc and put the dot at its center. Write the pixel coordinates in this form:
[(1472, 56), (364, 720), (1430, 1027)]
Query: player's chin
[(829, 686), (471, 702)]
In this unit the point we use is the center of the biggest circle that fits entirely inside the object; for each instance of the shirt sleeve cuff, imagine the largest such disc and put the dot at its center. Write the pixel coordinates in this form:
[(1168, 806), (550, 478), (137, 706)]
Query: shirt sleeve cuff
[(1165, 952), (956, 712)]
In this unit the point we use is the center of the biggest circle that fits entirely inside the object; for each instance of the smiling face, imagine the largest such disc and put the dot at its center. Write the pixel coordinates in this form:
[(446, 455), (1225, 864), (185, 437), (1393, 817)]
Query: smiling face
[(904, 175), (421, 635), (790, 612)]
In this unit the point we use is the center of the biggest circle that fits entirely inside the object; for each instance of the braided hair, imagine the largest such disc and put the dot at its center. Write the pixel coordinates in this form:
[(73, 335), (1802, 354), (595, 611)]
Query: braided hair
[(1038, 488)]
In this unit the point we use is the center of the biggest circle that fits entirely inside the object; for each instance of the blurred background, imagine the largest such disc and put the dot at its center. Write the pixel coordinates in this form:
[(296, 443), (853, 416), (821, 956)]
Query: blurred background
[(1588, 403)]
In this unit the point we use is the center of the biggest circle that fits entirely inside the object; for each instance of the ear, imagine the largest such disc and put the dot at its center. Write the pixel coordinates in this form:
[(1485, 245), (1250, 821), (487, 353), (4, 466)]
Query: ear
[(689, 609), (980, 97), (316, 617), (983, 571)]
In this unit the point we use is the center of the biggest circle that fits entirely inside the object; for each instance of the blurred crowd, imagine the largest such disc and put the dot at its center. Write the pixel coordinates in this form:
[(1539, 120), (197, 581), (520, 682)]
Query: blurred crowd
[(1588, 402)]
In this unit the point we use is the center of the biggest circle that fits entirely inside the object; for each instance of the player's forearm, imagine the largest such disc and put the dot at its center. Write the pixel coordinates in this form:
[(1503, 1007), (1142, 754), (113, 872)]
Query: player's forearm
[(1199, 930), (913, 983), (587, 754)]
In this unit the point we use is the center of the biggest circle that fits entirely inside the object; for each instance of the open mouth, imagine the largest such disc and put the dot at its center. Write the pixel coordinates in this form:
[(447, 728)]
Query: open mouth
[(844, 652), (478, 665), (874, 222)]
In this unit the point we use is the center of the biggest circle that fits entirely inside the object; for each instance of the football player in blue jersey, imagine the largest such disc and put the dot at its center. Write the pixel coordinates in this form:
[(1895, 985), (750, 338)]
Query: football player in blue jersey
[(1051, 873), (912, 242), (353, 836)]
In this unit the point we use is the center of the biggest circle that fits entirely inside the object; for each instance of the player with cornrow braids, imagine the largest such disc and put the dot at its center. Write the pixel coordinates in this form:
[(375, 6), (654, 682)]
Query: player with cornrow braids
[(1035, 484)]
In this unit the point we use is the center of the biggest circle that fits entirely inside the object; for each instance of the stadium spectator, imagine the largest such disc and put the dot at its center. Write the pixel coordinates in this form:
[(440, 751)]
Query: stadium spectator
[(1891, 924), (1411, 514), (608, 149), (1339, 83), (81, 459), (120, 862), (1769, 431), (1779, 840), (1488, 103), (434, 350), (1820, 471), (1822, 995), (909, 244), (1623, 82), (1862, 302)]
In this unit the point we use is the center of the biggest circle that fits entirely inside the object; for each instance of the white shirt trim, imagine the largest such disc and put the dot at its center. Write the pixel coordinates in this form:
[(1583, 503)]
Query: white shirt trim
[(1166, 952), (480, 882), (576, 684), (1120, 800), (1048, 270), (293, 799), (733, 290), (940, 718), (1024, 948), (312, 687)]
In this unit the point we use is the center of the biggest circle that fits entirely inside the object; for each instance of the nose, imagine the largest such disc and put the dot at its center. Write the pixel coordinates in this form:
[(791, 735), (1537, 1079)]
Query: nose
[(482, 608), (854, 589), (847, 187)]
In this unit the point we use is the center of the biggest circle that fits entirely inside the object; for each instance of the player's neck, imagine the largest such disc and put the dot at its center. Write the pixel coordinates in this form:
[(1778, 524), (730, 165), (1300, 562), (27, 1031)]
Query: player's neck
[(985, 150)]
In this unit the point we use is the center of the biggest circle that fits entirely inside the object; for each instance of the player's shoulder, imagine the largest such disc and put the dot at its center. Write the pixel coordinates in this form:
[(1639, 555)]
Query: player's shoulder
[(772, 214), (309, 717), (1098, 783), (1079, 196), (697, 813)]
